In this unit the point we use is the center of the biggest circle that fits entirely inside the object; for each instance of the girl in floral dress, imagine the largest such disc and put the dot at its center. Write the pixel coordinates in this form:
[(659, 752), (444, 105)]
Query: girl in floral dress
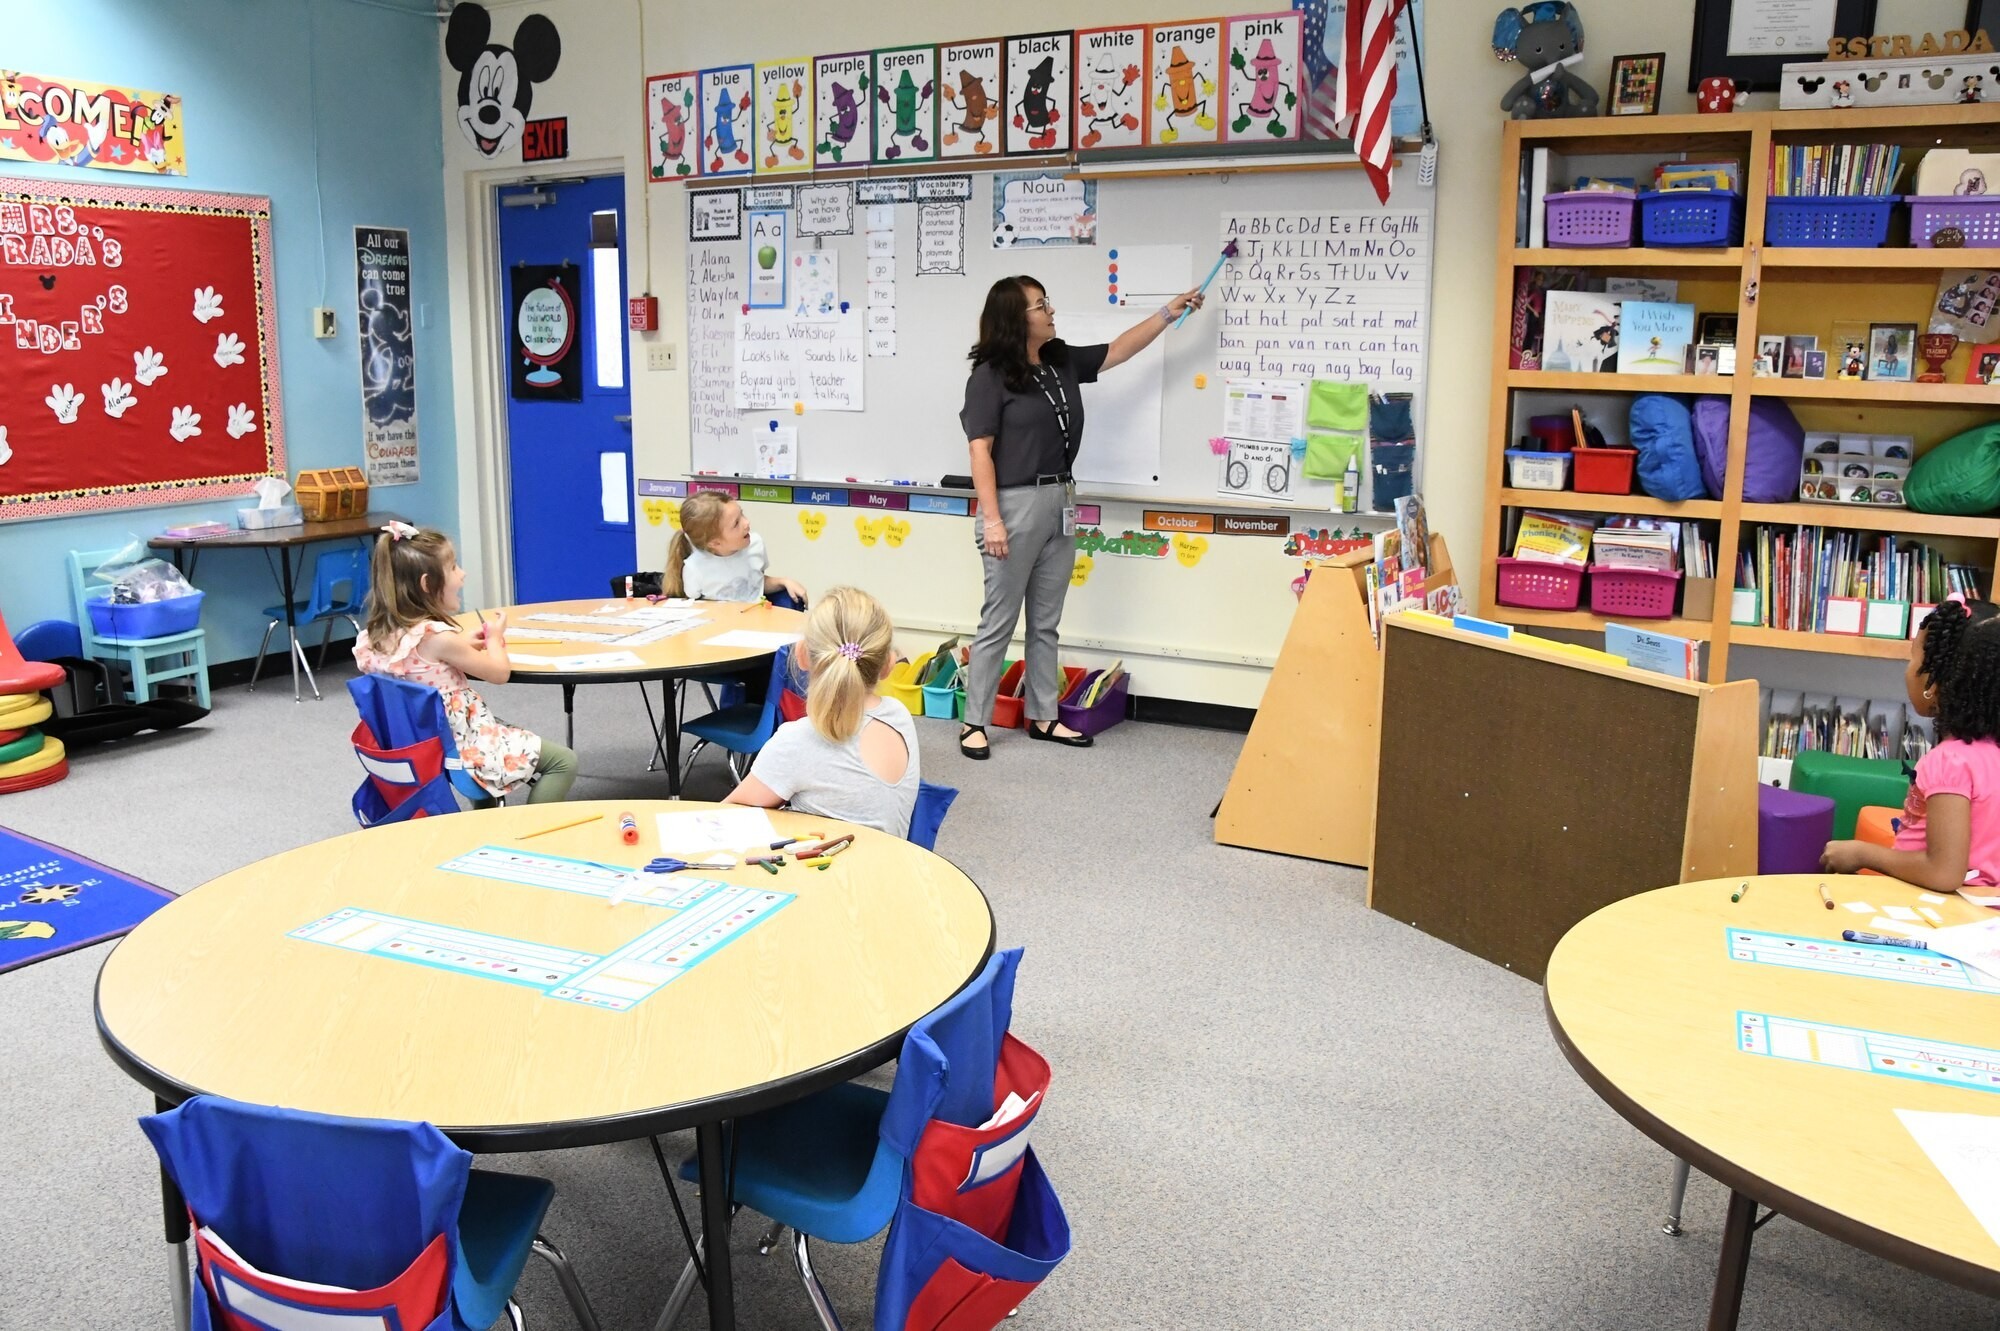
[(409, 635)]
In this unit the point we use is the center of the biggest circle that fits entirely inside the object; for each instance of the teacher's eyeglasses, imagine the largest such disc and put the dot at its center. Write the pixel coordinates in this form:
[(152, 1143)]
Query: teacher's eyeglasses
[(1043, 304)]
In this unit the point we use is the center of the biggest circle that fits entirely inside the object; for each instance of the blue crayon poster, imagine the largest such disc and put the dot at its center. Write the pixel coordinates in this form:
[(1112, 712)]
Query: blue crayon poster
[(52, 901)]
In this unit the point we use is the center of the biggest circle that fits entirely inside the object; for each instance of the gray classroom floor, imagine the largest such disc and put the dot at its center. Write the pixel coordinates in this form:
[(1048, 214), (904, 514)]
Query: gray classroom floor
[(1271, 1107)]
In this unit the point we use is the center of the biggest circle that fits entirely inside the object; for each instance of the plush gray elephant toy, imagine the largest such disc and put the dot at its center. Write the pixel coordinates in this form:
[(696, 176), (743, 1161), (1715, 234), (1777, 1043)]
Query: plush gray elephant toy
[(1546, 37)]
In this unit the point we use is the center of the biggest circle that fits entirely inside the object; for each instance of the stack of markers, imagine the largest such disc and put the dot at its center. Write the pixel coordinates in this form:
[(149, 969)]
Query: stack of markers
[(812, 851)]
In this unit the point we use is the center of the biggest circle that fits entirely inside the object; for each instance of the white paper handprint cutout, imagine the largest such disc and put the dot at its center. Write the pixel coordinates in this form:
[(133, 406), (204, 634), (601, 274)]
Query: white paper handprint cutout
[(228, 350), (185, 424), (207, 305), (63, 400), (6, 449), (148, 365), (117, 397), (242, 420)]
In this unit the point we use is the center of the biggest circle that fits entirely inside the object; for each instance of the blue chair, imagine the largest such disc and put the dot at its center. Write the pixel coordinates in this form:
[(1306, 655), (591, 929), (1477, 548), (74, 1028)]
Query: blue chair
[(836, 1166), (744, 728), (933, 803), (149, 661), (405, 744), (351, 1203), (339, 591), (50, 640)]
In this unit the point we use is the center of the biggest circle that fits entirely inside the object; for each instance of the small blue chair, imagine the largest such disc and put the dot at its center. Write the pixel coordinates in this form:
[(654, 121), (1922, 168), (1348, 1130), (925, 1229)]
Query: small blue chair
[(149, 661), (351, 1203), (933, 803), (404, 743), (744, 728), (339, 591)]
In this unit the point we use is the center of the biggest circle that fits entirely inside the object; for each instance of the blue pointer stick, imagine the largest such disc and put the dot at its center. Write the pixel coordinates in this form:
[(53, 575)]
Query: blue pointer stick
[(1228, 253)]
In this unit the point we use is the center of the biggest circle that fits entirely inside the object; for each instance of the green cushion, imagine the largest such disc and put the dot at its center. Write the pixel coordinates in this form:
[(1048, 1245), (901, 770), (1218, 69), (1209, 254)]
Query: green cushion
[(1851, 783), (1961, 475), (29, 743)]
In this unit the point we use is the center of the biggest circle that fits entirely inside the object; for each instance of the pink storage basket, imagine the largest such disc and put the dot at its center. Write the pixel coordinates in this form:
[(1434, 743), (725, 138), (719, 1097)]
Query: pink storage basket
[(1585, 219), (1635, 593), (1535, 585), (1975, 217)]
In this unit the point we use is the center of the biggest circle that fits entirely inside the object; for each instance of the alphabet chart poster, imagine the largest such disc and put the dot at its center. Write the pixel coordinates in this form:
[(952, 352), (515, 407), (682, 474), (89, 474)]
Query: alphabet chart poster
[(140, 336)]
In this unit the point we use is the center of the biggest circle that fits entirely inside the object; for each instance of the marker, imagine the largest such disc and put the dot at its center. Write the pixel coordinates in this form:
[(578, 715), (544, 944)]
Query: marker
[(1884, 940), (628, 829), (1737, 895), (788, 841), (1824, 897)]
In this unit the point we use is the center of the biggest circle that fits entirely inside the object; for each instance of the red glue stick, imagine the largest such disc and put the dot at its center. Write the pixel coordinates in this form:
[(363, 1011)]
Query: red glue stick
[(628, 829)]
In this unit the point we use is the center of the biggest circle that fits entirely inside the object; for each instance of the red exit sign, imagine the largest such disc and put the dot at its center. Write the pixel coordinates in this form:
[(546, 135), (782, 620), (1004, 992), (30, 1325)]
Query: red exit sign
[(545, 140)]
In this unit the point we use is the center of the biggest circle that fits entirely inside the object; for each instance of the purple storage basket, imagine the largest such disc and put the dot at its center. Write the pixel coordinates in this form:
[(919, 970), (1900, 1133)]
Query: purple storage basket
[(1847, 221), (1976, 217), (1582, 219), (1105, 713), (1636, 593), (1691, 217), (1533, 584)]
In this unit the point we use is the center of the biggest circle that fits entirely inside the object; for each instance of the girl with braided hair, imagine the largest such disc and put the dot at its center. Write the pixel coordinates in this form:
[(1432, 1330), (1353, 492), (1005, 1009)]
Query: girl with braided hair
[(1949, 835)]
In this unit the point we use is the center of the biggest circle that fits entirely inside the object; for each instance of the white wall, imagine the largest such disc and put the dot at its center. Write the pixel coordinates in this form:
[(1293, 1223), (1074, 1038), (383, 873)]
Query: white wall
[(1235, 601)]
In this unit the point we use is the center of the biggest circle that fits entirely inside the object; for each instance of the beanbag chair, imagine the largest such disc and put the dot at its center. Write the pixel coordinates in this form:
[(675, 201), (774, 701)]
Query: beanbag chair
[(1961, 475), (1777, 448), (1660, 428)]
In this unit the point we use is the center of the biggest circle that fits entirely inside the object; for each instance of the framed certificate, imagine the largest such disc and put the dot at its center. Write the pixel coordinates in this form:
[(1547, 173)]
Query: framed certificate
[(1751, 41)]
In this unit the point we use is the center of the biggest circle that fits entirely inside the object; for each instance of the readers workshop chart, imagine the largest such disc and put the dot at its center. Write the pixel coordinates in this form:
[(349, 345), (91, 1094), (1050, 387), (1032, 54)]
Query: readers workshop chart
[(708, 916)]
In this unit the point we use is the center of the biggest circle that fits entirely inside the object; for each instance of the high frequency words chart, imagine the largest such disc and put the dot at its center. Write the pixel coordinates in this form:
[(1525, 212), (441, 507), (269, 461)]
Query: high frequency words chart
[(708, 916)]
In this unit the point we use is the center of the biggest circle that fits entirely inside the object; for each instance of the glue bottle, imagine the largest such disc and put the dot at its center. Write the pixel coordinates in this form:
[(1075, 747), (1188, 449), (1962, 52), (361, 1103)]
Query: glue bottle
[(628, 829)]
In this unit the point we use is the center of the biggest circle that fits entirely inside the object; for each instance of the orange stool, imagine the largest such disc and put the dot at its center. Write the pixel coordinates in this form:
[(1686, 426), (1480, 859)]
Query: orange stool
[(1876, 824)]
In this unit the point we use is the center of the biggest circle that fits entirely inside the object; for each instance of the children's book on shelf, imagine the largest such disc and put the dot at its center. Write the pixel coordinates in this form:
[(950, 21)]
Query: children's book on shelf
[(1642, 288), (1796, 722), (1580, 333), (1698, 175), (1650, 548), (1833, 170), (1100, 686), (1554, 538), (1653, 338), (1647, 649), (1795, 573), (1531, 290)]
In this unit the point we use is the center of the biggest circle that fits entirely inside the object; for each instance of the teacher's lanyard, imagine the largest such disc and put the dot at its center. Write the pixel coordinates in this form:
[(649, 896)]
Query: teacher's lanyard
[(1058, 403)]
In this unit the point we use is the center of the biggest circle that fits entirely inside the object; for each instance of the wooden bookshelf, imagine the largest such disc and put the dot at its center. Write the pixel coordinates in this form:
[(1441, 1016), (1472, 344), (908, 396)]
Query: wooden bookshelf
[(1887, 408)]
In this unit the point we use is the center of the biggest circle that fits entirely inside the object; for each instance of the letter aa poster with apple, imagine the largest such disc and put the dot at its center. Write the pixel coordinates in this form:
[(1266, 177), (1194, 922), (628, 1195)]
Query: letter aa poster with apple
[(139, 337)]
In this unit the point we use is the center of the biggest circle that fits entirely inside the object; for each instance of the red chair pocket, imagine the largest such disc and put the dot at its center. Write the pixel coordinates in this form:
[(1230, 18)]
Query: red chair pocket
[(972, 1174), (960, 1300), (243, 1298)]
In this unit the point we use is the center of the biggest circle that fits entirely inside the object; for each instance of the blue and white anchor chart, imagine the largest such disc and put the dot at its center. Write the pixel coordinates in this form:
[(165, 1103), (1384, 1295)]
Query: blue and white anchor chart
[(1865, 960), (1909, 1057)]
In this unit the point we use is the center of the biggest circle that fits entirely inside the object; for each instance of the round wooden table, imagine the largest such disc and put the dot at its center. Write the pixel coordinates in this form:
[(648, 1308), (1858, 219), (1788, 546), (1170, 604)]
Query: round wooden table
[(668, 659), (211, 995), (1650, 999)]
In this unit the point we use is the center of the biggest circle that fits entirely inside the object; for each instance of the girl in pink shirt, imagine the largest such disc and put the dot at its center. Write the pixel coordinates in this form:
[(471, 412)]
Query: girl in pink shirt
[(1950, 831)]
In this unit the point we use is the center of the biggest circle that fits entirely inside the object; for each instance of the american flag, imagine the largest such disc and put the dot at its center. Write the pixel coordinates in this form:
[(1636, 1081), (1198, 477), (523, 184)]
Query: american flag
[(1351, 100)]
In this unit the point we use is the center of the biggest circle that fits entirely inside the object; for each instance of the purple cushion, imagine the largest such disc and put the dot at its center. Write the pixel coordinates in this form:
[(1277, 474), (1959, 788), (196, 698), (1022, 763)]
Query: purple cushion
[(1777, 448)]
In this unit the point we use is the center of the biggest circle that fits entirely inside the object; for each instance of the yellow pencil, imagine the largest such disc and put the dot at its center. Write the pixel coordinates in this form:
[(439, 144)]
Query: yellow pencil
[(753, 605), (575, 822)]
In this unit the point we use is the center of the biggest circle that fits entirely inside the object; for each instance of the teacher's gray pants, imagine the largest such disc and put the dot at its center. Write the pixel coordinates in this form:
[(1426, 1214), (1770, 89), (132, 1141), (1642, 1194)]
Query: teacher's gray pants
[(1037, 569)]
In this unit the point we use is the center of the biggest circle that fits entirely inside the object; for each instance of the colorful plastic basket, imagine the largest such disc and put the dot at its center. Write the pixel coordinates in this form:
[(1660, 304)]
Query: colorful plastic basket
[(1535, 585), (1605, 471), (1586, 219), (1636, 593), (1975, 218), (1855, 221), (1691, 217)]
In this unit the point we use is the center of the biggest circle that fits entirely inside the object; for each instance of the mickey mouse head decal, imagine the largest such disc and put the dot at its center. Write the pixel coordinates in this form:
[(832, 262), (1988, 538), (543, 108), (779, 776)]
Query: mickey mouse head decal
[(495, 83)]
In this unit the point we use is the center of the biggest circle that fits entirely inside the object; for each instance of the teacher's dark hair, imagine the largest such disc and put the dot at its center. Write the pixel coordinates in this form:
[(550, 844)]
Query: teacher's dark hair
[(1003, 332)]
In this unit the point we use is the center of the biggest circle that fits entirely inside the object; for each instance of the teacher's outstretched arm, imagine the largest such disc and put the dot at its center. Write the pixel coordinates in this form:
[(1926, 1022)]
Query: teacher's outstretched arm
[(1140, 335)]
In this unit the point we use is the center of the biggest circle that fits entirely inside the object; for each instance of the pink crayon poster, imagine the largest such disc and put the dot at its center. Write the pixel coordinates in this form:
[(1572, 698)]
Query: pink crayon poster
[(843, 128), (1040, 95), (974, 99), (673, 146), (1185, 88), (723, 97), (1110, 87), (784, 117), (906, 114), (1260, 79)]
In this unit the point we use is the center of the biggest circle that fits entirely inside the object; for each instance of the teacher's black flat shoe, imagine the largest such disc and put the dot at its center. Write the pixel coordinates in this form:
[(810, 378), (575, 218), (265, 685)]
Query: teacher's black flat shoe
[(1048, 732), (980, 754)]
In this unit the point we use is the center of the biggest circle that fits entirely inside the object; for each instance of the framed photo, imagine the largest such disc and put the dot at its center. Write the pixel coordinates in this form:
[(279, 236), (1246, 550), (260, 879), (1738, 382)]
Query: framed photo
[(1719, 329), (1983, 365), (1796, 348), (1770, 355), (1635, 84), (1891, 352), (1750, 40), (1815, 365)]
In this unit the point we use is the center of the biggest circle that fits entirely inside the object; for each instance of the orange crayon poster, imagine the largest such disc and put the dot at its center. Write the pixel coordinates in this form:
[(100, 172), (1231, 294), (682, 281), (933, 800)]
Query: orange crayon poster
[(68, 122)]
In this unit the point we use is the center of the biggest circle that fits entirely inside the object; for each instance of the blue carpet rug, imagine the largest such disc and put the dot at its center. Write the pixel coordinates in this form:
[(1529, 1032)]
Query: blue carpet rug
[(53, 902)]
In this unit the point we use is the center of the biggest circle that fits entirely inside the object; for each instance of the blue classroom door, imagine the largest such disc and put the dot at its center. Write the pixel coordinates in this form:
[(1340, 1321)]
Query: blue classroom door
[(569, 404)]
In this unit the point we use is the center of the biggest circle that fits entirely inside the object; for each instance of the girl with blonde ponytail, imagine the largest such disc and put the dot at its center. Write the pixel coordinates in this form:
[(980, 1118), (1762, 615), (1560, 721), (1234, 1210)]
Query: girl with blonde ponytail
[(854, 756)]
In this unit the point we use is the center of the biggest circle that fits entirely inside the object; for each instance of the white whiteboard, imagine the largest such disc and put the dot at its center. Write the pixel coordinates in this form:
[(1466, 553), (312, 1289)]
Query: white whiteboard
[(1329, 284)]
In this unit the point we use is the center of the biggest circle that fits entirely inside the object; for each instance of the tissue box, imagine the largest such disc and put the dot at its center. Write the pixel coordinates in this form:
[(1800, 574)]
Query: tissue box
[(258, 519), (332, 492)]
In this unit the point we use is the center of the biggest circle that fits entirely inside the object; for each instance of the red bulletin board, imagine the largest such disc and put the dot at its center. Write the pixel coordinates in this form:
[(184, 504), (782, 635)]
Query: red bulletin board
[(139, 340)]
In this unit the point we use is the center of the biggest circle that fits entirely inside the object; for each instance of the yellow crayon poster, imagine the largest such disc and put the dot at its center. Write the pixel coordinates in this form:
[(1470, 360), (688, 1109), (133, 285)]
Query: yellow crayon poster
[(67, 122)]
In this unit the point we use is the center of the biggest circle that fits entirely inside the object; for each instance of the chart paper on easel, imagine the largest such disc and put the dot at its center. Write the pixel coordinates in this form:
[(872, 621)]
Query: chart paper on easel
[(1121, 441)]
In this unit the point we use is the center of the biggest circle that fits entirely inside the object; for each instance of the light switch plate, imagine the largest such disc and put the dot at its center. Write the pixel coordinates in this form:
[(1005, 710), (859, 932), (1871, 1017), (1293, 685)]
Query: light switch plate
[(662, 356), (323, 322)]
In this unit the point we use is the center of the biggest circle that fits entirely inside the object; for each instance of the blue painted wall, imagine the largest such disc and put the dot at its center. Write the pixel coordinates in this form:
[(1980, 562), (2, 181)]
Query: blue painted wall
[(256, 76)]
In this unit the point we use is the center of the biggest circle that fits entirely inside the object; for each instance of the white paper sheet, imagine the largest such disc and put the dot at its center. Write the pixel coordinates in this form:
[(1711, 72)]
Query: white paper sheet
[(714, 829), (1121, 432), (754, 638), (1976, 944), (1966, 1150), (594, 661), (1148, 272), (1270, 410)]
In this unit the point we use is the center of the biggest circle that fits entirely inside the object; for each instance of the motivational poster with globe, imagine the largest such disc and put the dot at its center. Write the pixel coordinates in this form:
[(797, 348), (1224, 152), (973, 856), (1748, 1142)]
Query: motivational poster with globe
[(547, 353)]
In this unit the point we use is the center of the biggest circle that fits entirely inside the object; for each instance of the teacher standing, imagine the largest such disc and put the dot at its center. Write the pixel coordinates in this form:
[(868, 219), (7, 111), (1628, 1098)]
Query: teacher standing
[(1023, 418)]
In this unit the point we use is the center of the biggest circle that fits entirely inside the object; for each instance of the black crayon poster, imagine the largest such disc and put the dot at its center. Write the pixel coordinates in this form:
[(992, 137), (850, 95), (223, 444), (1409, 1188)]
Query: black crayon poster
[(545, 339)]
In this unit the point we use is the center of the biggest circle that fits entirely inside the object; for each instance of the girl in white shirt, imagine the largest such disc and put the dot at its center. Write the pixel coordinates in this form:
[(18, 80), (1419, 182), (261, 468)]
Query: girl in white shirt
[(854, 756), (716, 557)]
